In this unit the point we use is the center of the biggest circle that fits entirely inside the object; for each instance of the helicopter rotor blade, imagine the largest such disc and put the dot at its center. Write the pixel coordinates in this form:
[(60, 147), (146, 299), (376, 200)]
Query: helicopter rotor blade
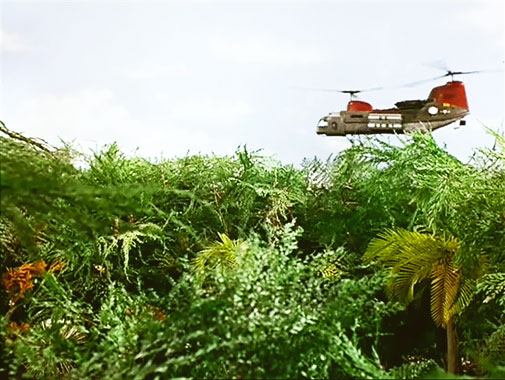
[(418, 82), (327, 90), (319, 89), (461, 72), (350, 92), (450, 73)]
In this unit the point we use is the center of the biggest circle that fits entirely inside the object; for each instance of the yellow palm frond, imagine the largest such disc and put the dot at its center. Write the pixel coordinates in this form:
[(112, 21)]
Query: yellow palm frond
[(413, 257), (219, 255), (410, 256), (332, 265), (465, 295), (446, 278), (330, 271)]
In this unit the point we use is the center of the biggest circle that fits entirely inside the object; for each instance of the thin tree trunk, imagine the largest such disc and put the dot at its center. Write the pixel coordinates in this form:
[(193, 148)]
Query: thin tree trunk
[(452, 347)]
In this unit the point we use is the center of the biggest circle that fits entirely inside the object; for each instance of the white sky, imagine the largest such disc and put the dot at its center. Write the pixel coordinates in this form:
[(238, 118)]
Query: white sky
[(207, 76)]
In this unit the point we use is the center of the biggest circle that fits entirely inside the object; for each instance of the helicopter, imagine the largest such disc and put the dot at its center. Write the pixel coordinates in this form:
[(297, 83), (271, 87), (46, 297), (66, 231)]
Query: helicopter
[(445, 104)]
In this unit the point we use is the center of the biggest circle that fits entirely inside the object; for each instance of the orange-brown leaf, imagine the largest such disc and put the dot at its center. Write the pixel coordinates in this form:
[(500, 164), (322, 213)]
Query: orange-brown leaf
[(18, 281)]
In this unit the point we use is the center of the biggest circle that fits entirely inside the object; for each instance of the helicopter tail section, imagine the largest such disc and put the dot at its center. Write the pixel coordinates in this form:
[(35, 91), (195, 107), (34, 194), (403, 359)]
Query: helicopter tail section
[(452, 93)]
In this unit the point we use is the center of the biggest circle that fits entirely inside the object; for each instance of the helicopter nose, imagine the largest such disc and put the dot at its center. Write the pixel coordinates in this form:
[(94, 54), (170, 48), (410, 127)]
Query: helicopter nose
[(323, 123), (322, 126)]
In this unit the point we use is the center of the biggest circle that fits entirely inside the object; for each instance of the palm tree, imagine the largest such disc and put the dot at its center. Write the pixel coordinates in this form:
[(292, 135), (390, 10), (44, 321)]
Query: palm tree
[(413, 257)]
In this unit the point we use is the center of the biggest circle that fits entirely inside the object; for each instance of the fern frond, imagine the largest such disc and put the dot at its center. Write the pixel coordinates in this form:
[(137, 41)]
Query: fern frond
[(126, 241)]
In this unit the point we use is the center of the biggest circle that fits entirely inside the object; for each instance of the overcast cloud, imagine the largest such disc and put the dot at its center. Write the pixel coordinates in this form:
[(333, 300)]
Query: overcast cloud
[(206, 76)]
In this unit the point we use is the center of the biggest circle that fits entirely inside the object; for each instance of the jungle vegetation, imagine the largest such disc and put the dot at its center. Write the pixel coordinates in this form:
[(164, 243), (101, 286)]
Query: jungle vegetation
[(383, 261)]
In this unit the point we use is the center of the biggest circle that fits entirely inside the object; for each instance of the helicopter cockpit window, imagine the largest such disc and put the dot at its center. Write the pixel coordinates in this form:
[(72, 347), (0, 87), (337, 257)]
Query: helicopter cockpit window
[(322, 123)]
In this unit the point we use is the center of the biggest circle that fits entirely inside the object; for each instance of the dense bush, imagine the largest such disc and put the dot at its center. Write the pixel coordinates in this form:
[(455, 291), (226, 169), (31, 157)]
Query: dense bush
[(238, 267)]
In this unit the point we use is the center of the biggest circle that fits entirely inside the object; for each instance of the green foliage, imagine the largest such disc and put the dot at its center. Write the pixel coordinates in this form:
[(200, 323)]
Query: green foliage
[(241, 328), (495, 346), (373, 186), (492, 285), (414, 368), (146, 291), (491, 353)]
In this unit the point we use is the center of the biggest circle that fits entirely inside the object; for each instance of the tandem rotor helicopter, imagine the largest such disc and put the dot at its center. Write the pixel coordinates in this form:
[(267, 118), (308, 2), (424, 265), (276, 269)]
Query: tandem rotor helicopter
[(445, 104)]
